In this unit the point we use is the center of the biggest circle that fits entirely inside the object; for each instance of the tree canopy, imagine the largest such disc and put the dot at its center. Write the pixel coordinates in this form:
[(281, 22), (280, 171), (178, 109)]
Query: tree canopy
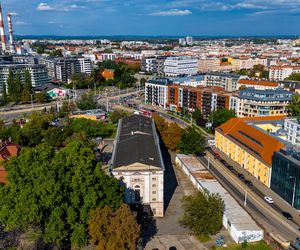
[(55, 192), (220, 116), (294, 107), (294, 77), (203, 213), (191, 142), (112, 230), (87, 101)]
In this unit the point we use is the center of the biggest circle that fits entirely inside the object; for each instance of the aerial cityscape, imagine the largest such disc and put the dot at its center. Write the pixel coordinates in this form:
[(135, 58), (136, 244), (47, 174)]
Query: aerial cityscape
[(156, 125)]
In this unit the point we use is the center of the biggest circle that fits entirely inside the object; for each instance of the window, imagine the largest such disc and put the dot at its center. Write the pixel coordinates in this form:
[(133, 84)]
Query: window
[(154, 210), (153, 179), (153, 185), (137, 195), (153, 199), (153, 192)]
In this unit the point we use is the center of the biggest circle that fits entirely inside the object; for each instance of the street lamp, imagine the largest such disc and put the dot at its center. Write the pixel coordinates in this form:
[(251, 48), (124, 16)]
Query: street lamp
[(31, 101), (294, 189), (245, 200)]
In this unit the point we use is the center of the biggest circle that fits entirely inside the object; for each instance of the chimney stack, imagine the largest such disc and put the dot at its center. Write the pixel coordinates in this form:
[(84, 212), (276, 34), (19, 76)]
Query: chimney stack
[(2, 33), (10, 29)]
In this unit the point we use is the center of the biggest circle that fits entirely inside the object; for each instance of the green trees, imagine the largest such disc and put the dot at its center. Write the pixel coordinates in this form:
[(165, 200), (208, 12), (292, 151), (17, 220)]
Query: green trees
[(87, 101), (117, 114), (191, 142), (55, 192), (111, 229), (220, 116), (169, 132), (294, 107), (197, 114), (202, 213), (27, 90), (294, 77)]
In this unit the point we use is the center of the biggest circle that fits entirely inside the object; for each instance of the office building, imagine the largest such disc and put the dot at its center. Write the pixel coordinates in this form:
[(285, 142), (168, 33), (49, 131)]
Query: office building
[(156, 92), (138, 163), (189, 40), (39, 73), (180, 66), (224, 80), (255, 102)]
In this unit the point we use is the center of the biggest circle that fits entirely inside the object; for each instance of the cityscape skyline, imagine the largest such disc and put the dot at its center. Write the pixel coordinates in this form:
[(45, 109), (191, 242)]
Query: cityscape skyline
[(150, 18)]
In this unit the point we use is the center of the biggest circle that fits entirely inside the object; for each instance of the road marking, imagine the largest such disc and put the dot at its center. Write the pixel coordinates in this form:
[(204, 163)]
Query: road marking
[(273, 213)]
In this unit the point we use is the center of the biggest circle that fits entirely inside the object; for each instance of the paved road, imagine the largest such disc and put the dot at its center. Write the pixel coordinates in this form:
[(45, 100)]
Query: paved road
[(263, 213)]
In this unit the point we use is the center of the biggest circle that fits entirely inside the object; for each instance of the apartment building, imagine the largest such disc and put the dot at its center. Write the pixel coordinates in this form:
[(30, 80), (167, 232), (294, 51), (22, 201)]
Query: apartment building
[(280, 73), (255, 102), (38, 73), (179, 66), (207, 99), (256, 84), (156, 92), (63, 68), (137, 161), (224, 80), (249, 62)]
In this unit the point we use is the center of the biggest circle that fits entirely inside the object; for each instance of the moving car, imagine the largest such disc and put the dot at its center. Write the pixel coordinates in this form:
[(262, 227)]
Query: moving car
[(268, 199), (241, 176), (248, 183)]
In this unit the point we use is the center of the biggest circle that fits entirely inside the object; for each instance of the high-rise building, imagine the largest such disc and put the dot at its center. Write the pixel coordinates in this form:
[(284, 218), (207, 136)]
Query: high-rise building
[(189, 40)]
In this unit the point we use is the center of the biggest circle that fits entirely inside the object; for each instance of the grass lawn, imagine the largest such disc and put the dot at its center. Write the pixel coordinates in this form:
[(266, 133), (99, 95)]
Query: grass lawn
[(261, 245), (203, 239)]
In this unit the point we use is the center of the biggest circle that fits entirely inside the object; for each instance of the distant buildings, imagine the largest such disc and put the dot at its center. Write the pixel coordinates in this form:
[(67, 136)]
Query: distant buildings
[(179, 66), (39, 73), (137, 161), (225, 80), (292, 127), (63, 68), (280, 73), (256, 102), (257, 84)]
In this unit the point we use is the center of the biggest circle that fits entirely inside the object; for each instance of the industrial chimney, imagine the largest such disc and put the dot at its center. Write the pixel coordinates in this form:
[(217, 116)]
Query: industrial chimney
[(10, 29), (2, 33)]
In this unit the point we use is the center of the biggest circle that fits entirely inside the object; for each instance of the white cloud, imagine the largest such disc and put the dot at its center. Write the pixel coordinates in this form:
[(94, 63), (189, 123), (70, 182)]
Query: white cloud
[(172, 12), (20, 23), (45, 7)]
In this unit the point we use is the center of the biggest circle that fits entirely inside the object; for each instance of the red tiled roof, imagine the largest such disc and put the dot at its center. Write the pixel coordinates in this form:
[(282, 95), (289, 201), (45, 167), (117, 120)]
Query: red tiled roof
[(258, 83)]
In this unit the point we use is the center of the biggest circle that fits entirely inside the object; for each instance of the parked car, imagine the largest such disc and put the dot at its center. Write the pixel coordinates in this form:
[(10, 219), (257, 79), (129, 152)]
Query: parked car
[(268, 199), (230, 167), (287, 215), (241, 176), (248, 183)]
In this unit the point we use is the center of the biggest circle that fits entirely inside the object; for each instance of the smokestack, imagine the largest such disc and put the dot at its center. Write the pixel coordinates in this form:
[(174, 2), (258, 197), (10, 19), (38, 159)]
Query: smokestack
[(10, 29), (2, 33)]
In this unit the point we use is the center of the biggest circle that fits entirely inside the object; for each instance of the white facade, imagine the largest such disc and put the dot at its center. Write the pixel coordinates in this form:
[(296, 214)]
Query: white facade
[(156, 94), (85, 65), (280, 73), (183, 65), (292, 127)]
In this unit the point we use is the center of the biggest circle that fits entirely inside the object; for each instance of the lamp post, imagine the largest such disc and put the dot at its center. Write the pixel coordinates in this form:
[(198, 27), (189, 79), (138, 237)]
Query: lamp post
[(31, 101), (245, 200), (294, 190)]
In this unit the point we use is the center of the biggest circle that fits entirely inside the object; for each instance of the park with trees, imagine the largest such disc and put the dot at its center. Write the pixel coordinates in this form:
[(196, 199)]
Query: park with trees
[(58, 189)]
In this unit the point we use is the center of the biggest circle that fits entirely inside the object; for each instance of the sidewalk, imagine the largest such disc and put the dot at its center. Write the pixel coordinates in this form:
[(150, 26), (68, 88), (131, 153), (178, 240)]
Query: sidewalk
[(278, 201)]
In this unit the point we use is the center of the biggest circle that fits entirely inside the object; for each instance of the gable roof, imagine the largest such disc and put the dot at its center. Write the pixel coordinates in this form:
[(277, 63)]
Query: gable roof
[(256, 142), (137, 142)]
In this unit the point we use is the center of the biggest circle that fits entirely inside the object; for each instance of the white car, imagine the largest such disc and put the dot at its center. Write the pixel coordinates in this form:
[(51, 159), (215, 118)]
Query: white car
[(268, 199)]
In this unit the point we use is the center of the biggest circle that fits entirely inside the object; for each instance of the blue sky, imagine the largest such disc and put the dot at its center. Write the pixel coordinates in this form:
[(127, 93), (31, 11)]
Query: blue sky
[(154, 17)]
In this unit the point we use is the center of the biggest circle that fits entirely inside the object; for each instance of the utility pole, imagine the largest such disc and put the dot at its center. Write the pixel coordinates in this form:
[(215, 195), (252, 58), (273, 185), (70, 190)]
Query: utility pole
[(31, 101), (107, 102), (208, 161)]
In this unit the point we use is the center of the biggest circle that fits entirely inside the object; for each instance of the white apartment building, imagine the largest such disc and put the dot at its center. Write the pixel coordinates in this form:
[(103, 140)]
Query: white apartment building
[(292, 127), (248, 63), (156, 92), (39, 73), (279, 73), (224, 80), (137, 162), (181, 65), (85, 65)]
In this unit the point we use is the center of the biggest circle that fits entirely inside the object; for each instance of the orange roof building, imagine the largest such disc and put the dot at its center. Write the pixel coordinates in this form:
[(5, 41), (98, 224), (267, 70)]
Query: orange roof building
[(257, 84), (108, 74), (247, 142), (7, 150)]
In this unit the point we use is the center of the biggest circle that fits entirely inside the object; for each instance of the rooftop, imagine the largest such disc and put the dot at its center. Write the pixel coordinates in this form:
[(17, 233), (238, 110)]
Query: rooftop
[(137, 142), (258, 83)]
